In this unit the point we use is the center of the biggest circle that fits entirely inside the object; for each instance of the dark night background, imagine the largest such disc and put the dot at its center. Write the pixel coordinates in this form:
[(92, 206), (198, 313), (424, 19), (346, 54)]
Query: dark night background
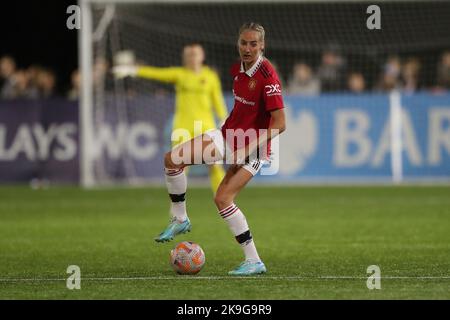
[(35, 32)]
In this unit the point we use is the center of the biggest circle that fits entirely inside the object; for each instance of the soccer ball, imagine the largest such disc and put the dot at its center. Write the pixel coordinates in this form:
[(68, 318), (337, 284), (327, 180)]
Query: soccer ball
[(187, 258)]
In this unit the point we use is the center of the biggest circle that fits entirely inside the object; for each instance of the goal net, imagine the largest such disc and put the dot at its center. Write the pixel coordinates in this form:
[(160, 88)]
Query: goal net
[(320, 48)]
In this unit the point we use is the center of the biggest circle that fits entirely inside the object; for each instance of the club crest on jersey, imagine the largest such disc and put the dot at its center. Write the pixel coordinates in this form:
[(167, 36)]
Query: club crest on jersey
[(252, 84)]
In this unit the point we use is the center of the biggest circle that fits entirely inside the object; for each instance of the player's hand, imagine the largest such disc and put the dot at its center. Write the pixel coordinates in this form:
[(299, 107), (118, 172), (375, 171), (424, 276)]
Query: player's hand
[(239, 156), (122, 71)]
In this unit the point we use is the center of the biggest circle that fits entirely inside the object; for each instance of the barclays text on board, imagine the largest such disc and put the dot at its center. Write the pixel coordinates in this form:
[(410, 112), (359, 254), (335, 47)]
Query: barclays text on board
[(330, 136)]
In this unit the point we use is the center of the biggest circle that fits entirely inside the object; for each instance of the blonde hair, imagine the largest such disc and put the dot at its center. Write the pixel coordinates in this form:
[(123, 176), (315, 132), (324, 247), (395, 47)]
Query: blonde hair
[(253, 26)]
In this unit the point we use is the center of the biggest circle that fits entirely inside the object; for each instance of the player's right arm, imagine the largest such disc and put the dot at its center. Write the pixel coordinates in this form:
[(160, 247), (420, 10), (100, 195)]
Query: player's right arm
[(167, 75)]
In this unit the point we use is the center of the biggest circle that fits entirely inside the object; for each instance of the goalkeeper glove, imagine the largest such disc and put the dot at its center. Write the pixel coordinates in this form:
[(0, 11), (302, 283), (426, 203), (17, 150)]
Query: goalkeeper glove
[(122, 71)]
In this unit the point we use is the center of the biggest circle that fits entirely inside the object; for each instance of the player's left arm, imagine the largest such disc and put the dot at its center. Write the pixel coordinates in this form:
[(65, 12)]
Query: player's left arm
[(277, 123), (276, 127), (273, 100)]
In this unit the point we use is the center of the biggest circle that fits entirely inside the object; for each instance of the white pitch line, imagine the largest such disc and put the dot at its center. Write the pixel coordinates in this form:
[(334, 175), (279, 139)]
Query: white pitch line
[(223, 278)]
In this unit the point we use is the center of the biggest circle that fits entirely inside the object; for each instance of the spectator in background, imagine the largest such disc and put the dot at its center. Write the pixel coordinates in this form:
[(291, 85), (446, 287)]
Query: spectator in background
[(15, 84), (356, 82), (390, 76), (443, 71), (22, 88), (46, 82), (33, 72), (410, 75), (7, 80), (303, 81), (331, 71), (74, 92)]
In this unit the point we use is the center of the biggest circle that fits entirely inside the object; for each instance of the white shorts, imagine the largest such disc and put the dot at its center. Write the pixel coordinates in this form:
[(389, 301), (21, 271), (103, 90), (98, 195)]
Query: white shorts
[(252, 166)]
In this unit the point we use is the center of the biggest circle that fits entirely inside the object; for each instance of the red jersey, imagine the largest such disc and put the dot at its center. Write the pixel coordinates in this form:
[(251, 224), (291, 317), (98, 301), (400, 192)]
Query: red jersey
[(257, 92)]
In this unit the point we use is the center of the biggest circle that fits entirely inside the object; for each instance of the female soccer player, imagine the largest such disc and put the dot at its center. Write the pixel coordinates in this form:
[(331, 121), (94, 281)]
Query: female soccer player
[(258, 104), (198, 96)]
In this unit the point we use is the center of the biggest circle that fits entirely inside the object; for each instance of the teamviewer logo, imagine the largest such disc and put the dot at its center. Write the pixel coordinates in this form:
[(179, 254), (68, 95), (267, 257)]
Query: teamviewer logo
[(272, 90)]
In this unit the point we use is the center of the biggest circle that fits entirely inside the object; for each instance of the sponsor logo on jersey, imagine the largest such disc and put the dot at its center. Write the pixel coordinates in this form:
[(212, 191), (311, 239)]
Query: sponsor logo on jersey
[(242, 100), (273, 89)]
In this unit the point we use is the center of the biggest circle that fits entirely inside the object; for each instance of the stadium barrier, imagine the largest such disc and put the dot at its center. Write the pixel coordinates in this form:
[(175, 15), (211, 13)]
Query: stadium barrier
[(332, 137)]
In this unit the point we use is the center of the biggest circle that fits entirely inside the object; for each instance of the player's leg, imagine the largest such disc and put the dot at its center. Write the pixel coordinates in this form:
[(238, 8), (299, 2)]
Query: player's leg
[(196, 151), (235, 180), (216, 175)]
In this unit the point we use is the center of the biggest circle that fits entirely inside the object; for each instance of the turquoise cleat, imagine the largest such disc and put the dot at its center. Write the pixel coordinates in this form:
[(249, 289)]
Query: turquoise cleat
[(249, 268), (173, 229)]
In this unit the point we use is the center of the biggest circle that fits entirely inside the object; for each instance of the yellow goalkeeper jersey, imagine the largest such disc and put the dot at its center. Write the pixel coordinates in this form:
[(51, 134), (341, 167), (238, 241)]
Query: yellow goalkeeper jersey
[(198, 95)]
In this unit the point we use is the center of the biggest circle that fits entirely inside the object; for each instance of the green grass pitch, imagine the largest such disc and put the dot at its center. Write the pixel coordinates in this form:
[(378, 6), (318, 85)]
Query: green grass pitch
[(316, 242)]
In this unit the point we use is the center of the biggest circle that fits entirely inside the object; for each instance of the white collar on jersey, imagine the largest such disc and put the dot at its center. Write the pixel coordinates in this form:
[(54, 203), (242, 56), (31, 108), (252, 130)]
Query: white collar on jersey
[(251, 72)]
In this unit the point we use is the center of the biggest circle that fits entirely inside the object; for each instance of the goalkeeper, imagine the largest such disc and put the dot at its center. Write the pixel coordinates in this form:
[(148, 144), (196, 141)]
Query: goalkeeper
[(198, 96)]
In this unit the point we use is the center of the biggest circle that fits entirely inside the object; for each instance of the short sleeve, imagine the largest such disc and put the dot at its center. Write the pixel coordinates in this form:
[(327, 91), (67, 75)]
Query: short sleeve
[(272, 93)]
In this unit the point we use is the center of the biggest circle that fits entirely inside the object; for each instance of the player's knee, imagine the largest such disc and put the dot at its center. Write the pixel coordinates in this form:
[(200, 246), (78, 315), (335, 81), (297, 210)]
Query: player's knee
[(168, 162), (223, 200)]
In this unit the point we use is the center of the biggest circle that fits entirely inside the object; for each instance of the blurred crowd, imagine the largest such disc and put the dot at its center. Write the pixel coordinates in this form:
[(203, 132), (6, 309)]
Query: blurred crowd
[(34, 82), (333, 74)]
